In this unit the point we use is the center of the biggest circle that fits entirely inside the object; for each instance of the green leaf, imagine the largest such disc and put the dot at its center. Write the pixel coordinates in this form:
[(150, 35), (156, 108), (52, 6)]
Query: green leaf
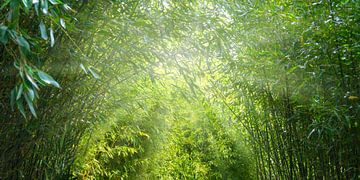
[(43, 30), (291, 70), (52, 39), (32, 81), (15, 13), (27, 4), (83, 68), (3, 34), (20, 106), (30, 105), (54, 2), (67, 7), (48, 79), (20, 91), (36, 6), (96, 76), (21, 41), (13, 34), (62, 23), (21, 73), (16, 65), (31, 94), (44, 6)]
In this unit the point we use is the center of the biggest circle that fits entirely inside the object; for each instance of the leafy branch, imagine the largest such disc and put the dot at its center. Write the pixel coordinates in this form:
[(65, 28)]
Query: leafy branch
[(24, 44)]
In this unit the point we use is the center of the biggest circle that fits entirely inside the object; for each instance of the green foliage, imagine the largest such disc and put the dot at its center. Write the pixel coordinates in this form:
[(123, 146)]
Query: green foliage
[(23, 24), (203, 147), (113, 155), (292, 88), (180, 89), (115, 148)]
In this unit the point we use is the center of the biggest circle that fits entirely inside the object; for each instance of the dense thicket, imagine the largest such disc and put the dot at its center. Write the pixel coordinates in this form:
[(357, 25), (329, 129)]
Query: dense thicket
[(297, 87), (179, 89)]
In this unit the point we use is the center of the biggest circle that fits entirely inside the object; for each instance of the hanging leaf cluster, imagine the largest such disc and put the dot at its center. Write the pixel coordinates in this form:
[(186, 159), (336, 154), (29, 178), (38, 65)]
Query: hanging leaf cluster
[(27, 32)]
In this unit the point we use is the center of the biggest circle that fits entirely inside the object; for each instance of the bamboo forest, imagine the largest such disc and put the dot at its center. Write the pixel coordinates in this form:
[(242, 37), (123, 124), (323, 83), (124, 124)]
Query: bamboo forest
[(180, 89)]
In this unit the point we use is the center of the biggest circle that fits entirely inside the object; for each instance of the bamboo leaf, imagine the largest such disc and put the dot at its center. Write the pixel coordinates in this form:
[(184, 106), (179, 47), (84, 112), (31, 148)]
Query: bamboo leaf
[(21, 41), (52, 39), (44, 6), (20, 106), (83, 68), (32, 81), (94, 74), (36, 6), (48, 79), (54, 2), (31, 94), (20, 91), (30, 105), (43, 30), (62, 23), (3, 34), (15, 13), (67, 7), (27, 4)]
